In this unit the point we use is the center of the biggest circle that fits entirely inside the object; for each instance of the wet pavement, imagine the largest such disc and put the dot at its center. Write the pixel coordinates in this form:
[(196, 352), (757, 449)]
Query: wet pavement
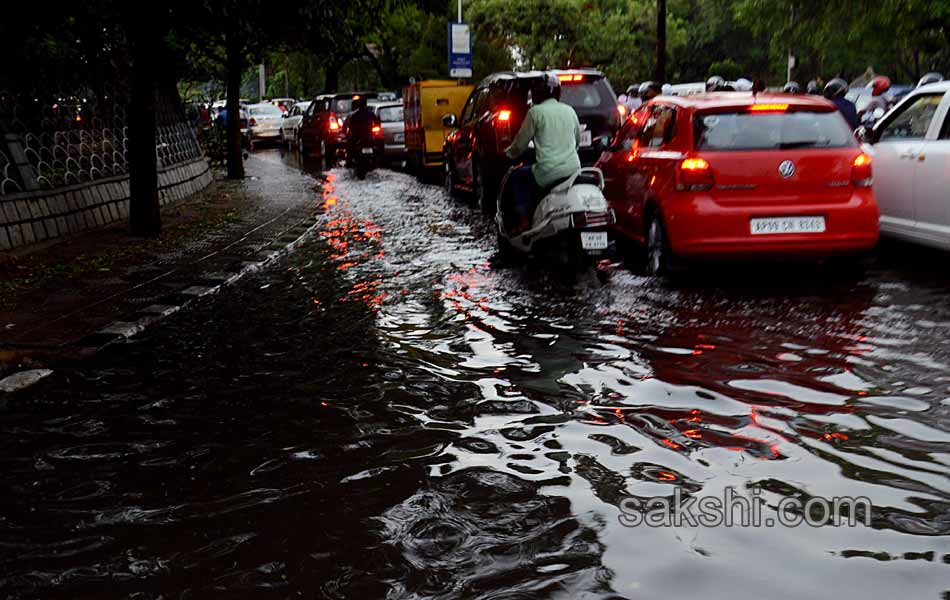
[(386, 413)]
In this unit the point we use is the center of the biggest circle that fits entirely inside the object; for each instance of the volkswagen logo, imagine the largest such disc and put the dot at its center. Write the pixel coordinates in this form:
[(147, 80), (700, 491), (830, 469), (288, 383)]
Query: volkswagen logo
[(786, 169)]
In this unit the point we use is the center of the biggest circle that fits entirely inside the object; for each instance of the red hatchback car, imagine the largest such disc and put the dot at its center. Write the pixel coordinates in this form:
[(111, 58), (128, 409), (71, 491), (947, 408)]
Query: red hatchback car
[(740, 176)]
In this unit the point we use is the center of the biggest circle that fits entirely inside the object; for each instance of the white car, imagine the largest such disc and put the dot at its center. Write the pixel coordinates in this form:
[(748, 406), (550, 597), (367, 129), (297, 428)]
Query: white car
[(910, 147), (290, 128), (263, 123)]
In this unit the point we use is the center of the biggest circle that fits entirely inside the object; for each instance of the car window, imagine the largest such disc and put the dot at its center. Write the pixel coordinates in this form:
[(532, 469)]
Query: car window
[(265, 109), (631, 129), (481, 104), (945, 130), (914, 119), (469, 107), (390, 114), (771, 130), (658, 127)]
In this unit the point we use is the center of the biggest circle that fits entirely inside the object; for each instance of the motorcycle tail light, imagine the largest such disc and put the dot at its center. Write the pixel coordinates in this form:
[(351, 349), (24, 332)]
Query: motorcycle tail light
[(861, 175), (582, 220), (694, 174)]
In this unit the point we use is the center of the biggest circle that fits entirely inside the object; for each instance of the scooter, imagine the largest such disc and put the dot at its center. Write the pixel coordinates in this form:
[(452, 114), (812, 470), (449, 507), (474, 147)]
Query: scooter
[(365, 154), (571, 220)]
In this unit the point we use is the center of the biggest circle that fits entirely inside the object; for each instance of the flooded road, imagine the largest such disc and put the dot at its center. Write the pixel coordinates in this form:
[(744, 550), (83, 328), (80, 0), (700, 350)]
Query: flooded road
[(388, 414)]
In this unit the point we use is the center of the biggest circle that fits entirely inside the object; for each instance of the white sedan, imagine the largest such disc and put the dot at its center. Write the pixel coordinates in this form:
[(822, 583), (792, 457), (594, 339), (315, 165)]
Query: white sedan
[(911, 152), (290, 127)]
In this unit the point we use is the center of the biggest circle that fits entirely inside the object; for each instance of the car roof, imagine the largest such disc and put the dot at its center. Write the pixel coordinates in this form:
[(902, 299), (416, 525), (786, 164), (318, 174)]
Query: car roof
[(730, 100), (940, 86), (515, 75)]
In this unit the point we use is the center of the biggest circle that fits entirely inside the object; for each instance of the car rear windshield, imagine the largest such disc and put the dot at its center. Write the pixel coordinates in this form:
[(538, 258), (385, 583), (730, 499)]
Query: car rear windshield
[(771, 131), (265, 109), (390, 114), (342, 106), (588, 96)]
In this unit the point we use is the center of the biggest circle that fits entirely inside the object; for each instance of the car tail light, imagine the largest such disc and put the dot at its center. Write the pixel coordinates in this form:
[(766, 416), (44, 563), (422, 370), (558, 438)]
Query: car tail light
[(570, 78), (253, 122), (503, 128), (861, 175), (694, 174), (622, 110), (759, 108), (504, 115), (377, 130), (334, 124)]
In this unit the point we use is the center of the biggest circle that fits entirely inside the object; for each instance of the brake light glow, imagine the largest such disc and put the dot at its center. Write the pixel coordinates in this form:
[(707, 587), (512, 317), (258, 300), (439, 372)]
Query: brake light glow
[(334, 125), (768, 108), (622, 110), (861, 174), (570, 78), (356, 97), (695, 174), (377, 130), (504, 115)]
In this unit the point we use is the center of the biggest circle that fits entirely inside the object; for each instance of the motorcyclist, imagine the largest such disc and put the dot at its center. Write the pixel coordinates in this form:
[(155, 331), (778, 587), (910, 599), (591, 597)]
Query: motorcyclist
[(835, 91), (633, 101), (649, 90), (812, 88), (879, 87), (792, 87), (556, 133), (715, 84), (359, 126), (930, 78)]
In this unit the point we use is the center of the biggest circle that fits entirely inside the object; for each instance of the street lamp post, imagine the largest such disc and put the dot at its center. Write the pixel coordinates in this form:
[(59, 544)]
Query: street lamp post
[(660, 74)]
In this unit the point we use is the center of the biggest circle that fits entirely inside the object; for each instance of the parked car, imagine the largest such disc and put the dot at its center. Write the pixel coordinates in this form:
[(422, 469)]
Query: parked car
[(425, 103), (475, 154), (394, 129), (263, 123), (911, 150), (293, 120), (739, 176)]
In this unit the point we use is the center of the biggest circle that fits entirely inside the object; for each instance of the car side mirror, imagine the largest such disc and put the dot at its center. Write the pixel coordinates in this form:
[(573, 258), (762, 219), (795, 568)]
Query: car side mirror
[(865, 135), (450, 121)]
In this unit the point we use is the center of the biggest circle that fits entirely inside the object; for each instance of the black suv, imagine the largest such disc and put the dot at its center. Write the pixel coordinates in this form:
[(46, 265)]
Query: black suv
[(474, 152)]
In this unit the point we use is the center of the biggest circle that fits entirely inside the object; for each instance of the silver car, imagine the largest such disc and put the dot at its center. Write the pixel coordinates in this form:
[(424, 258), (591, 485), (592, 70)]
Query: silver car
[(394, 128), (263, 123), (290, 128)]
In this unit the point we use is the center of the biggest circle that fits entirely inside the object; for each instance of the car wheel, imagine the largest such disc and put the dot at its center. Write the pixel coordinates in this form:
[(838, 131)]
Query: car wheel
[(329, 155), (482, 195), (448, 180), (658, 257)]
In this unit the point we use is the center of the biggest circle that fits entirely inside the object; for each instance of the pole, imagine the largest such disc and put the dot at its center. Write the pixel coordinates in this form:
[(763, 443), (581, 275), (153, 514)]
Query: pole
[(261, 81), (660, 74), (460, 11)]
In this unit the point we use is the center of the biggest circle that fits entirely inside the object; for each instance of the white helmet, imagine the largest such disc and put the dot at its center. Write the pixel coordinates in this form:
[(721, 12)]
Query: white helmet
[(742, 85), (667, 89)]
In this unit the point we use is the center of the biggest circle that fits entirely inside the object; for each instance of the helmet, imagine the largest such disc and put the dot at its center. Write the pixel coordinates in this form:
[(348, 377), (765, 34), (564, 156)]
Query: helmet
[(836, 88), (633, 89), (930, 78), (650, 90), (879, 85), (813, 88), (792, 87), (667, 89), (715, 83), (742, 85), (545, 87)]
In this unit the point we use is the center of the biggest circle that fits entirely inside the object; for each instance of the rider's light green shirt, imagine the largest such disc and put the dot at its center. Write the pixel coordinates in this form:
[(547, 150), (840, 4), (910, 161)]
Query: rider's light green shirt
[(556, 133)]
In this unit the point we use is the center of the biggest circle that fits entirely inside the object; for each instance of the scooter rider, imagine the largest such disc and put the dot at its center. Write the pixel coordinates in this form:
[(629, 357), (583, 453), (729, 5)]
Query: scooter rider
[(556, 133), (835, 91), (879, 87), (360, 125), (650, 90)]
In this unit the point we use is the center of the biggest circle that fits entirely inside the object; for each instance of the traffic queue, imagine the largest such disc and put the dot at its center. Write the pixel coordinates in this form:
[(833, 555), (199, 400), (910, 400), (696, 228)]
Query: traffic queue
[(668, 175)]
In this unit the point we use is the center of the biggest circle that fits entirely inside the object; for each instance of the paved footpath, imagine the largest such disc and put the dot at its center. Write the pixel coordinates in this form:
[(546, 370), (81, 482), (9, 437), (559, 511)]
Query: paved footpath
[(67, 298)]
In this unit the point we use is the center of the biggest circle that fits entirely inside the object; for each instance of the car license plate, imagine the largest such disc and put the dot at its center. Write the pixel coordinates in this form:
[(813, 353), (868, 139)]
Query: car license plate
[(779, 225), (399, 137), (585, 138), (594, 240), (367, 150)]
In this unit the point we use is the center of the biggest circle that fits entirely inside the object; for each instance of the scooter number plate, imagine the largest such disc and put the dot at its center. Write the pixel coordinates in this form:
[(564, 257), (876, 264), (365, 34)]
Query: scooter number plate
[(585, 139), (594, 240), (367, 150)]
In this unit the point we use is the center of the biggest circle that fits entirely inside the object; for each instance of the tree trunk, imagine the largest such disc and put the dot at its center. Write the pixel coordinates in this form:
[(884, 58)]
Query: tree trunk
[(235, 67), (660, 75), (332, 81), (144, 211)]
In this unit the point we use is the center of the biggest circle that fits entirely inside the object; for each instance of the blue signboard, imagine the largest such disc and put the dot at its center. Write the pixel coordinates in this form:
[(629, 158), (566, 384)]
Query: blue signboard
[(460, 50)]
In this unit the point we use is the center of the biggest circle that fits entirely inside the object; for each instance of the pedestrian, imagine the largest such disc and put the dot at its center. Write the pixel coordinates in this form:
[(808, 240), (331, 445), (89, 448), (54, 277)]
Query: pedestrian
[(835, 91), (222, 118)]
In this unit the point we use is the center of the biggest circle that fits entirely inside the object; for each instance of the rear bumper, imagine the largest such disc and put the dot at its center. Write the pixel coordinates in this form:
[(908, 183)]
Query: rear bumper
[(700, 228), (259, 134), (395, 150)]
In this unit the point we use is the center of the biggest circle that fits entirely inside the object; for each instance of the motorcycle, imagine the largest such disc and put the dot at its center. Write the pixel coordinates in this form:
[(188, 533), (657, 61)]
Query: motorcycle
[(571, 219), (364, 154)]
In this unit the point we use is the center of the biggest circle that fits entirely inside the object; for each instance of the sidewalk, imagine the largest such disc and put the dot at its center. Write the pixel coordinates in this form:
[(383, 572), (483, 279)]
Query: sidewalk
[(64, 298)]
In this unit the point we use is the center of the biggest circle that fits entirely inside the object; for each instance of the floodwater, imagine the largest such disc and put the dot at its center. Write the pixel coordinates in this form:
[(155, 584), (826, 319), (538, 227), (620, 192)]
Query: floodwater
[(387, 413)]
